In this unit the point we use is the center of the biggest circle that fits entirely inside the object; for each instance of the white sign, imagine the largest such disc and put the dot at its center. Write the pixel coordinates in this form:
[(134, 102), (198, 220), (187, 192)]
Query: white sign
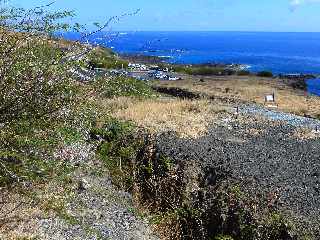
[(269, 98)]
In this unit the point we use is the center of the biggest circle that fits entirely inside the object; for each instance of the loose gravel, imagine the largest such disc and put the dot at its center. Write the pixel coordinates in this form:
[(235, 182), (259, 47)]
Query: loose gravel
[(98, 211), (257, 149), (290, 119)]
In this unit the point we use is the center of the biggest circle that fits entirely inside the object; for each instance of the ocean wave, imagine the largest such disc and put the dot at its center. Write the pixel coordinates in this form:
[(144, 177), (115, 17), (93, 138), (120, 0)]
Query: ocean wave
[(246, 66), (164, 56)]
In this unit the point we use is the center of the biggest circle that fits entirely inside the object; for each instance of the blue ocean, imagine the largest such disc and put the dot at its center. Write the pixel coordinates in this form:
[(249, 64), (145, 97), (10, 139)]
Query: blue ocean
[(271, 51)]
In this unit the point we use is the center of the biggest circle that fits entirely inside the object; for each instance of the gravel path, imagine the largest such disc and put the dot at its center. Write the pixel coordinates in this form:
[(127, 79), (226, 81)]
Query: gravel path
[(94, 208), (290, 119), (99, 211)]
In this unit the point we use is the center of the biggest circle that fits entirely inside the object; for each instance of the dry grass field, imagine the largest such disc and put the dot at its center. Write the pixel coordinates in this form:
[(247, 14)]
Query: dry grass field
[(251, 89), (191, 118), (187, 118)]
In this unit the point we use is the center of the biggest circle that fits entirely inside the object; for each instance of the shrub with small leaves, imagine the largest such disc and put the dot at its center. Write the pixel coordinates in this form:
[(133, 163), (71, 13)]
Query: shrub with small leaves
[(123, 86), (36, 82), (105, 58), (223, 237), (265, 74)]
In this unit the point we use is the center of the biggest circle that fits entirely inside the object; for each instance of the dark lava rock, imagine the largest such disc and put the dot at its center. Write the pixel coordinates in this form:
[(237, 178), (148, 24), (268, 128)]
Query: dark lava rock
[(270, 163)]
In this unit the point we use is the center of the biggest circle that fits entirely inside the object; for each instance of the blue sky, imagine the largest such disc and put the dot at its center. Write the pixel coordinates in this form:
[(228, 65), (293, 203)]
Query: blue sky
[(191, 15)]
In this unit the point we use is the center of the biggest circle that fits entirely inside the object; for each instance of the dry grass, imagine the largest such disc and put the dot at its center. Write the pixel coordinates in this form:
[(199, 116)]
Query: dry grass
[(255, 131), (187, 118), (252, 89), (21, 214), (18, 216), (306, 134)]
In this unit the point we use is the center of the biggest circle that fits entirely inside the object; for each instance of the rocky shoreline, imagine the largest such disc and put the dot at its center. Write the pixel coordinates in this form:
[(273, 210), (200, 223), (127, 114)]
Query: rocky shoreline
[(296, 80), (147, 59), (143, 59)]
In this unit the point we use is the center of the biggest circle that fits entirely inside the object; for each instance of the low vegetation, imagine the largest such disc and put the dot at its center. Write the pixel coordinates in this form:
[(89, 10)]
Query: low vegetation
[(122, 86), (106, 59), (46, 118), (202, 70), (187, 118), (244, 73), (35, 86), (250, 89), (265, 74)]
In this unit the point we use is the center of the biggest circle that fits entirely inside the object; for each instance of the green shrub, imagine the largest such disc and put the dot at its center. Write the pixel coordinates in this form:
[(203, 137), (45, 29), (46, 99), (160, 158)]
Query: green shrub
[(112, 130), (223, 237), (243, 73), (265, 74), (36, 75), (276, 226), (118, 150), (202, 70), (105, 58), (122, 86), (32, 85), (36, 83)]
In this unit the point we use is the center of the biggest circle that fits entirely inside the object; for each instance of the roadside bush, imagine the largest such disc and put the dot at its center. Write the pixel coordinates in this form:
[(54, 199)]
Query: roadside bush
[(206, 71), (35, 85), (105, 58), (243, 73), (122, 86), (36, 74), (119, 146), (202, 70), (265, 74)]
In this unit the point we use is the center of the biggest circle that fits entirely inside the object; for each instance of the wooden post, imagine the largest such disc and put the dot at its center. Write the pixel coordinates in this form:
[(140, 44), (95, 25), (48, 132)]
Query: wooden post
[(274, 97)]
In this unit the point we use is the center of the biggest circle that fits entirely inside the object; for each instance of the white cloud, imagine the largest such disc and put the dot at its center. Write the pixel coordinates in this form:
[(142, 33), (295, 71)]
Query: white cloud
[(294, 4)]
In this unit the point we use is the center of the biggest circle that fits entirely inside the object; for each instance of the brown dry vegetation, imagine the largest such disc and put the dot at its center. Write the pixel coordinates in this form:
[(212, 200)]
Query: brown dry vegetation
[(18, 218), (251, 89), (305, 134), (187, 118)]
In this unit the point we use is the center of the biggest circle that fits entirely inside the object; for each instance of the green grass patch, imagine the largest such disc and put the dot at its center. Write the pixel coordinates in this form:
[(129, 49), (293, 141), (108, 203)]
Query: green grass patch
[(243, 73), (223, 237), (118, 150), (265, 74), (201, 70), (105, 58), (18, 168), (70, 135), (123, 86)]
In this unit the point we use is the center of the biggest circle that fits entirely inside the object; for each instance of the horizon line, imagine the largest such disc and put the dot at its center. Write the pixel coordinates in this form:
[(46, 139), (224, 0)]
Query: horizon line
[(243, 31)]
